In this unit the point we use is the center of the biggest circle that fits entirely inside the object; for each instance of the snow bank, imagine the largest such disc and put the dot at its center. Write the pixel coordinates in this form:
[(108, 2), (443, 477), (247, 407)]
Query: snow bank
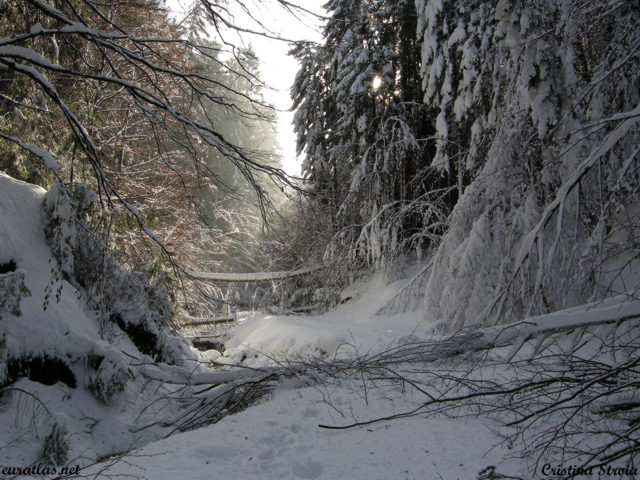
[(71, 378), (283, 436), (356, 323)]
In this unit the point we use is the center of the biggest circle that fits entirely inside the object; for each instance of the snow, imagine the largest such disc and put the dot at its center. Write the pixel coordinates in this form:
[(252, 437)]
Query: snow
[(23, 53), (248, 277), (504, 74), (355, 323), (280, 438), (23, 241), (604, 148), (284, 435), (458, 35), (289, 433), (610, 310), (97, 421)]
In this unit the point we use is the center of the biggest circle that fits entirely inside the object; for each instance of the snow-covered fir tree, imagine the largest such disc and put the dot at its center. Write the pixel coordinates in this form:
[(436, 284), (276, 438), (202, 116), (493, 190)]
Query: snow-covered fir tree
[(502, 142), (367, 135), (537, 102)]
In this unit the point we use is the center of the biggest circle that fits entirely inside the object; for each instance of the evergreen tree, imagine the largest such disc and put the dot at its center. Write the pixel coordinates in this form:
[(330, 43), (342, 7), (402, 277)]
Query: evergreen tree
[(531, 108), (365, 133), (511, 154)]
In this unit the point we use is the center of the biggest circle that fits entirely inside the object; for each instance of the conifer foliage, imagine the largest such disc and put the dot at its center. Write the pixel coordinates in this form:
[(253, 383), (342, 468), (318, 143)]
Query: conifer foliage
[(365, 132), (537, 102), (502, 140)]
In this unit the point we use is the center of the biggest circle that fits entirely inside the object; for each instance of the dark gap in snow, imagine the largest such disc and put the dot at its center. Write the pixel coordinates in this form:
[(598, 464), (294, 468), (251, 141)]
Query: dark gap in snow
[(94, 361), (44, 370), (146, 341), (7, 267), (207, 344)]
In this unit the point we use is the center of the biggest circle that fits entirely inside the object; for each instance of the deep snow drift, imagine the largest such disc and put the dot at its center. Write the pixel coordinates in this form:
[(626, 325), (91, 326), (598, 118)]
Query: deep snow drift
[(280, 439), (358, 322)]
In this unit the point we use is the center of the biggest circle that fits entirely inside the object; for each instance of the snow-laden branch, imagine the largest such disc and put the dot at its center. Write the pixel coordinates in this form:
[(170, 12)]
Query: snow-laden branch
[(249, 277), (631, 119)]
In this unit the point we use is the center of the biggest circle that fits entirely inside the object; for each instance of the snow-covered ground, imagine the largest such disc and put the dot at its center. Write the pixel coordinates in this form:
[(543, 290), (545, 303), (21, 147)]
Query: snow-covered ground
[(286, 434), (70, 378), (355, 323), (280, 438)]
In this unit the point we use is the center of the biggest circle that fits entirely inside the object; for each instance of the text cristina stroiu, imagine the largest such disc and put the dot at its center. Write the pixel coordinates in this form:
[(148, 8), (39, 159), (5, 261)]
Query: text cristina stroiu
[(576, 471), (40, 469)]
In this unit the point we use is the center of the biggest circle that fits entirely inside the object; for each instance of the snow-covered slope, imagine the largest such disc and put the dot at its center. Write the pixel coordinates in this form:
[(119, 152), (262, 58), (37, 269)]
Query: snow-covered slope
[(280, 439), (71, 385), (358, 392)]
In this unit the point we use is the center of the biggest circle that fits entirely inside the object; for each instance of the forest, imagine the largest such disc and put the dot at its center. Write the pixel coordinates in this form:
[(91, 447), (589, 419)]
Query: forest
[(449, 289)]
